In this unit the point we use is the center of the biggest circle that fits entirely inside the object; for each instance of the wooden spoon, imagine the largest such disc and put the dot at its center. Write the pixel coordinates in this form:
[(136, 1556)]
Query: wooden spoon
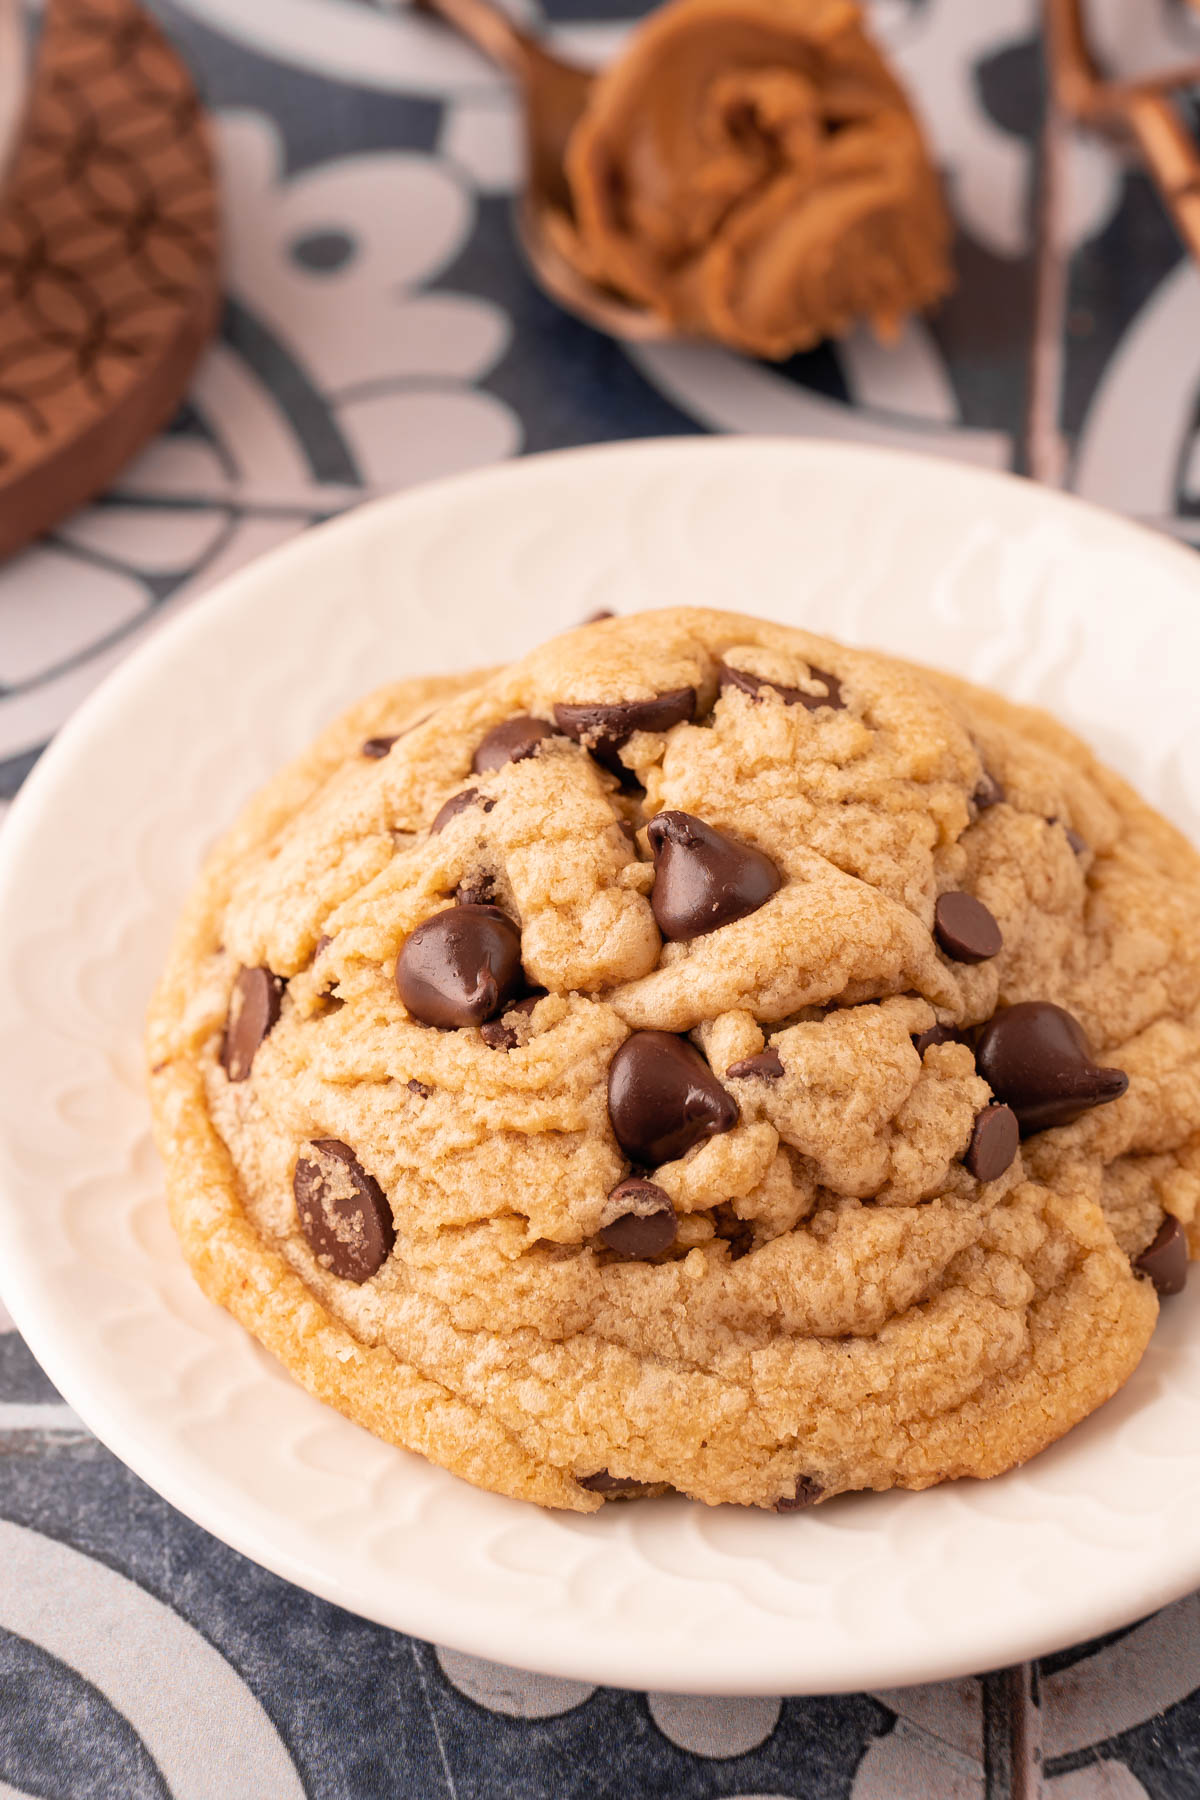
[(554, 94)]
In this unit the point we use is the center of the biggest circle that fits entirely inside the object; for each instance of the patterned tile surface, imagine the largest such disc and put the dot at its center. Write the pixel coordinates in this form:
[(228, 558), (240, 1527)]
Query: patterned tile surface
[(369, 163)]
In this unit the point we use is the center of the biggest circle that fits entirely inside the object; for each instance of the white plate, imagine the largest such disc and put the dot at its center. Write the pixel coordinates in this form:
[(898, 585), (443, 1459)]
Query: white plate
[(1043, 597)]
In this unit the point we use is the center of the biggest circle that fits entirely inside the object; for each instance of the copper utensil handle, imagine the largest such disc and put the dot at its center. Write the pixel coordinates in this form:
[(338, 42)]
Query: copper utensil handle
[(1141, 111), (490, 30), (1172, 159)]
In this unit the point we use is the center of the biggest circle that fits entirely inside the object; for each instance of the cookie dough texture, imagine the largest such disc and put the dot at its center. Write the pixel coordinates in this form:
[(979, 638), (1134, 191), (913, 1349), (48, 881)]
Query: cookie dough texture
[(844, 1305), (752, 171)]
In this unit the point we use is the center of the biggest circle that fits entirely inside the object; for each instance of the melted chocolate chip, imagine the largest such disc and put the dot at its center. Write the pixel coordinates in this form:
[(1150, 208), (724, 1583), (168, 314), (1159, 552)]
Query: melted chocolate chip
[(807, 1493), (766, 1066), (613, 1487), (601, 612), (995, 1136), (454, 805), (703, 879), (645, 1223), (512, 741), (253, 1011), (936, 1034), (418, 1088), (602, 727), (663, 1098), (965, 929), (342, 1210), (1036, 1058), (499, 1036), (988, 793), (460, 967), (1165, 1259), (745, 683)]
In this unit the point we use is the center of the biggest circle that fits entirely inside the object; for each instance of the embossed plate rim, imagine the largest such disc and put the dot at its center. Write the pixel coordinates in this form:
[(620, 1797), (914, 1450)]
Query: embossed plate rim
[(869, 1593)]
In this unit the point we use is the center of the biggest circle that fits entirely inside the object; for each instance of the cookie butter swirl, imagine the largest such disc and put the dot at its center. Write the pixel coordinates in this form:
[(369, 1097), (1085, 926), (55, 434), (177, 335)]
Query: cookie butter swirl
[(751, 171), (699, 1055)]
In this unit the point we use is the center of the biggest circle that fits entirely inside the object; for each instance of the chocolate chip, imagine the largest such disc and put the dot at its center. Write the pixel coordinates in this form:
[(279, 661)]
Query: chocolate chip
[(1078, 844), (454, 805), (766, 1066), (1036, 1058), (745, 683), (377, 747), (965, 928), (807, 1493), (253, 1011), (663, 1098), (342, 1210), (613, 1487), (601, 612), (936, 1034), (644, 1224), (460, 967), (499, 1036), (1165, 1260), (703, 879), (737, 1233), (602, 727), (418, 1088), (512, 741), (988, 793), (993, 1144), (326, 996), (480, 890)]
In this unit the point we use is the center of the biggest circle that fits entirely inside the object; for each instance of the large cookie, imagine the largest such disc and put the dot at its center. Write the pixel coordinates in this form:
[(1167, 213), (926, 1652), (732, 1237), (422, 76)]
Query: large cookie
[(697, 1056)]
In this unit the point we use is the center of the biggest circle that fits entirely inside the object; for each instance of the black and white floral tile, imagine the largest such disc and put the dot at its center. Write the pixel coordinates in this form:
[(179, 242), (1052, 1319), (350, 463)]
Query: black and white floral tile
[(368, 167)]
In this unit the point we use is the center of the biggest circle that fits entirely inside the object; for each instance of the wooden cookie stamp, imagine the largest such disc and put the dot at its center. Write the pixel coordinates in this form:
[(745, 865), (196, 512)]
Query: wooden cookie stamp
[(109, 279)]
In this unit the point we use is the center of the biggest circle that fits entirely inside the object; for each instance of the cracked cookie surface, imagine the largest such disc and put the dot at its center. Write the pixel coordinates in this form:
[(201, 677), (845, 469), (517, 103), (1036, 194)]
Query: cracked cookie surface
[(696, 1056)]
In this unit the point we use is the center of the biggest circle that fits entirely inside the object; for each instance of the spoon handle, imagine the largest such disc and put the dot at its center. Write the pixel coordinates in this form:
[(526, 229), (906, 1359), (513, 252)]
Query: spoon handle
[(490, 30)]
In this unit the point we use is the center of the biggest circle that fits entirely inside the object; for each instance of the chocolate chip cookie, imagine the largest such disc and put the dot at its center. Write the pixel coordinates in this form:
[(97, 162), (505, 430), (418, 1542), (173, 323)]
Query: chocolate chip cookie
[(699, 1056)]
